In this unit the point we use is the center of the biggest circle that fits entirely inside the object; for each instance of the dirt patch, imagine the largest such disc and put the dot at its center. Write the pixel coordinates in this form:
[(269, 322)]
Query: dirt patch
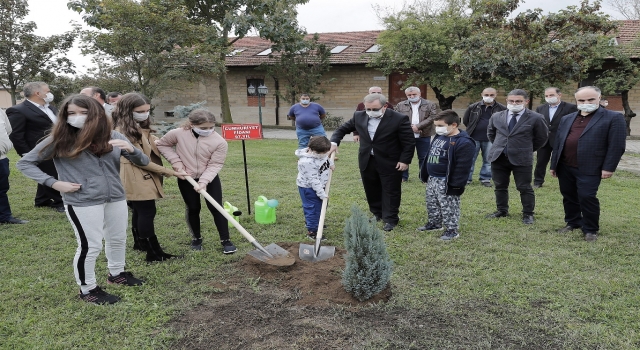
[(304, 306)]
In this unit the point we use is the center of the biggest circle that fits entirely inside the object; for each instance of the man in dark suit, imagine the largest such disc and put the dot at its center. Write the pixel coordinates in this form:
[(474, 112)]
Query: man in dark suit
[(515, 133), (587, 149), (386, 150), (31, 121), (552, 111)]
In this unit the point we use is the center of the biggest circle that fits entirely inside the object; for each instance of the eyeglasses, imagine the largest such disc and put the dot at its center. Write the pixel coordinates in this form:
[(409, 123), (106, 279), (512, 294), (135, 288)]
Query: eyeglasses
[(373, 109), (512, 102)]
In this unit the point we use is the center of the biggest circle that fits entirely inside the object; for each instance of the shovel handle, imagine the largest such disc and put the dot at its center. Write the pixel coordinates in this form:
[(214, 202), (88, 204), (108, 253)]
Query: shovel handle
[(323, 212), (210, 199)]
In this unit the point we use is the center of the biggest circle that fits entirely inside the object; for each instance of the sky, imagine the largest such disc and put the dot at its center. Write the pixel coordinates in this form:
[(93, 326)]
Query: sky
[(317, 16)]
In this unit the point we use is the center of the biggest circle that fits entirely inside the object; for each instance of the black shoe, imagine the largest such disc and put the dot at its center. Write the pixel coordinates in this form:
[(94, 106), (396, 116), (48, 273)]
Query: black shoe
[(228, 247), (98, 296), (155, 252), (389, 226), (536, 186), (567, 229), (13, 220), (590, 236), (59, 209), (196, 244), (125, 278), (527, 219), (486, 183), (497, 214), (429, 227)]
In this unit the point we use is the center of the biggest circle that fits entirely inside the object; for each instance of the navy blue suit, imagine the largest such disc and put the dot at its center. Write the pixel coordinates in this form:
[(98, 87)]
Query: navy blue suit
[(600, 147)]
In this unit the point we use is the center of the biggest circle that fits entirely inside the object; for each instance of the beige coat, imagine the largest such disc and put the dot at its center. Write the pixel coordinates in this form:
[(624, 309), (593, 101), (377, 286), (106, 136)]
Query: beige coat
[(144, 183)]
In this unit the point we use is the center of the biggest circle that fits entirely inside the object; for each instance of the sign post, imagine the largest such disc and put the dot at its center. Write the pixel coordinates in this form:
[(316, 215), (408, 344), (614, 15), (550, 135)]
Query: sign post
[(234, 132)]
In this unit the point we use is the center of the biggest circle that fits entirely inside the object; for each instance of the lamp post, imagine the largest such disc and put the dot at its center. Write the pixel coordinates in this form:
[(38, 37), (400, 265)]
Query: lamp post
[(260, 91)]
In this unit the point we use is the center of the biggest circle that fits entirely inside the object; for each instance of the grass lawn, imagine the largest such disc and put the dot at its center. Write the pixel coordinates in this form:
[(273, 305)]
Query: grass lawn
[(584, 293)]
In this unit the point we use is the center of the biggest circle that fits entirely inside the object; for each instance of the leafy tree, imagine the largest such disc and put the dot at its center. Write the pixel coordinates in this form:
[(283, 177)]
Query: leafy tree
[(274, 20), (300, 66), (150, 42), (24, 55), (530, 50), (420, 41)]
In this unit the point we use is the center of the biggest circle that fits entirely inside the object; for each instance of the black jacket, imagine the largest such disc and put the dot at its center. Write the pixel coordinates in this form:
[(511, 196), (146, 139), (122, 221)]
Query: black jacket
[(30, 125), (473, 113), (462, 148), (564, 108)]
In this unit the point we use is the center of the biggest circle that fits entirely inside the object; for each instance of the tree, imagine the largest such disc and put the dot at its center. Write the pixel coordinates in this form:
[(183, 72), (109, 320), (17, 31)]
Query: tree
[(150, 41), (300, 66), (24, 55), (630, 9), (274, 20), (530, 50), (420, 41)]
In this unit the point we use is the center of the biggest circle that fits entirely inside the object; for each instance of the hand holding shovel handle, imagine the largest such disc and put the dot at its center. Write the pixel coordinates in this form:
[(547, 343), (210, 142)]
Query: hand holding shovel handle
[(241, 229)]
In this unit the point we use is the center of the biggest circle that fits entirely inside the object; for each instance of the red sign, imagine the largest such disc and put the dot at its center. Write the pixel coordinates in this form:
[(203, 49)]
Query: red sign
[(241, 131)]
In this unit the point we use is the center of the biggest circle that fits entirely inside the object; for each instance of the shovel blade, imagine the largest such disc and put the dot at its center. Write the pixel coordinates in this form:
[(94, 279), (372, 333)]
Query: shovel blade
[(281, 257), (307, 252)]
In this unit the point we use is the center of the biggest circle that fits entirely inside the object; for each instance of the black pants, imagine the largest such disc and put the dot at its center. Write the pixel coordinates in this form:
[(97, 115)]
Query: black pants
[(383, 191), (5, 209), (581, 206), (45, 195), (543, 156), (192, 200), (142, 216), (501, 170)]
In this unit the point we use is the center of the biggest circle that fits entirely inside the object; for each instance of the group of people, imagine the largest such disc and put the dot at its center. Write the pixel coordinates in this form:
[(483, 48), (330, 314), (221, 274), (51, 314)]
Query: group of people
[(93, 165)]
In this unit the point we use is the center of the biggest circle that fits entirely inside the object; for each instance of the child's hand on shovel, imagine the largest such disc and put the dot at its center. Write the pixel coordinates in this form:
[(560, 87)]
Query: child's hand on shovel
[(199, 187)]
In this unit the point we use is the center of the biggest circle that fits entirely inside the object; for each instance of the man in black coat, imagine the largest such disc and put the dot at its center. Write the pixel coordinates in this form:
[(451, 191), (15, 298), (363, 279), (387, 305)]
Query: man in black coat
[(386, 150), (553, 111), (31, 121), (587, 149)]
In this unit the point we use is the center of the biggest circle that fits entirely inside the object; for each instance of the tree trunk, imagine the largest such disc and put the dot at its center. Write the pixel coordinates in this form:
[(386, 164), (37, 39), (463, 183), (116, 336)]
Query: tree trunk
[(12, 91), (628, 113), (224, 94), (444, 102)]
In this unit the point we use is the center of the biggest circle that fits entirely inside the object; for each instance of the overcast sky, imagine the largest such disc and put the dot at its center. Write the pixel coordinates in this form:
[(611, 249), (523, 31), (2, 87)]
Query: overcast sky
[(53, 17)]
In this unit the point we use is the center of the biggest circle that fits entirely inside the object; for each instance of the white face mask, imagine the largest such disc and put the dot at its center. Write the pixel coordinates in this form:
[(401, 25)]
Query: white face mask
[(77, 121), (515, 108), (48, 98), (375, 114), (305, 102), (442, 130), (414, 99), (139, 117), (588, 107), (551, 100), (203, 132), (487, 99)]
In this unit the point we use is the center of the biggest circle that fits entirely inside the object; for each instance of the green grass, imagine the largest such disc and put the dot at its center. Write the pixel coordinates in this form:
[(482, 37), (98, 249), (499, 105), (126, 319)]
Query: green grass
[(588, 293)]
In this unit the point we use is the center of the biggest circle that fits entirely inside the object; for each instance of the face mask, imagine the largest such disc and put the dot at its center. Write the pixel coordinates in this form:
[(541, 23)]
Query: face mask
[(305, 102), (203, 132), (139, 117), (588, 107), (414, 99), (77, 121), (375, 114), (551, 100), (48, 97), (442, 130), (487, 99), (515, 108)]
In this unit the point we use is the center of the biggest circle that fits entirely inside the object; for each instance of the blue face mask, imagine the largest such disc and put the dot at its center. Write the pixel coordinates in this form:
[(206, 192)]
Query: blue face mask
[(305, 102)]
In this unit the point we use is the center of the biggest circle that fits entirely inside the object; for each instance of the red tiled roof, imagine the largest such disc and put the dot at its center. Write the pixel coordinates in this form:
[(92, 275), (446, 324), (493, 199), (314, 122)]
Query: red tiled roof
[(358, 43), (628, 33)]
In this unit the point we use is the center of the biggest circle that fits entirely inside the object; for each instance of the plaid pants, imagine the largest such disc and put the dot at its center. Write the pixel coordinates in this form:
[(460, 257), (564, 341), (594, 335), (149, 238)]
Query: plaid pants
[(443, 209)]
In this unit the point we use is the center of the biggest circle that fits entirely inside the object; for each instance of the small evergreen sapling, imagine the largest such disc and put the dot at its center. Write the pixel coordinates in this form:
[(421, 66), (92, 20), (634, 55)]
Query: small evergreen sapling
[(368, 267)]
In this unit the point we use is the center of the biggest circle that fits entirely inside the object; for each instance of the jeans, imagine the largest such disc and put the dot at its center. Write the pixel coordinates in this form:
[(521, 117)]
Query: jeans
[(5, 209), (305, 134), (485, 170), (501, 170), (423, 145), (312, 206)]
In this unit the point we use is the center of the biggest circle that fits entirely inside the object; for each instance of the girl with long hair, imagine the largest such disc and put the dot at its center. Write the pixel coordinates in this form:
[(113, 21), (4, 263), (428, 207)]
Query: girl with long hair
[(142, 184), (86, 153), (201, 152)]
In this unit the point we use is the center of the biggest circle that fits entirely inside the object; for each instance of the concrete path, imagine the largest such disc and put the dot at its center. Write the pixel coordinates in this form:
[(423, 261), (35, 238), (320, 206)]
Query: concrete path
[(630, 160)]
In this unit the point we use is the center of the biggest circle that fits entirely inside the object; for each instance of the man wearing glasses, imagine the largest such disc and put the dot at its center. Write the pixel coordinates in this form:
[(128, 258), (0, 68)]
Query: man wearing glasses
[(360, 107), (386, 150), (515, 133)]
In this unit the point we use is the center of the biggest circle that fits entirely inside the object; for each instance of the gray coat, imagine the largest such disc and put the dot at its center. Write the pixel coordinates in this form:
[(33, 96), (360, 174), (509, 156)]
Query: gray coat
[(527, 136)]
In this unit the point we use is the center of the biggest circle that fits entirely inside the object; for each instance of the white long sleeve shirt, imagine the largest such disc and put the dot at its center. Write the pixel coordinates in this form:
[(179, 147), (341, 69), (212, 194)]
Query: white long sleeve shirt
[(313, 171)]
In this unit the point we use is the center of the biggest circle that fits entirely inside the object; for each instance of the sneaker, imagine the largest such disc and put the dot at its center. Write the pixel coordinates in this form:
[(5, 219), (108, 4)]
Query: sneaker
[(312, 236), (429, 226), (125, 278), (486, 183), (98, 296), (196, 244), (228, 247), (449, 235)]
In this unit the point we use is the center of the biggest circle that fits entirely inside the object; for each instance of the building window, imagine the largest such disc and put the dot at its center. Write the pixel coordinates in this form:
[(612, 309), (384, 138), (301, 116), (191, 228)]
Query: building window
[(252, 100), (373, 49), (339, 48), (264, 53)]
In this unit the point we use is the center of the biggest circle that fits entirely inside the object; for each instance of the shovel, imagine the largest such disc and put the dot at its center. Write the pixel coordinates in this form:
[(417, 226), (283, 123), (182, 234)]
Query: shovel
[(272, 254), (315, 252)]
